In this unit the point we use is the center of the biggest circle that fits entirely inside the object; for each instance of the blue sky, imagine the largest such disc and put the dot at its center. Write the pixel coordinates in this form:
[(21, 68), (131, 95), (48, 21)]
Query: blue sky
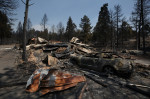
[(60, 10)]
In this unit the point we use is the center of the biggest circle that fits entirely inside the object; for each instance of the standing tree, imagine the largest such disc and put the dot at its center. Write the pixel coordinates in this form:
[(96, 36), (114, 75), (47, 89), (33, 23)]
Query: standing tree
[(24, 29), (19, 33), (117, 15), (140, 17), (5, 27), (60, 30), (8, 6), (29, 25), (70, 29), (112, 30), (102, 29), (136, 20), (53, 34), (85, 25), (145, 11), (44, 22), (125, 32), (142, 24), (122, 29), (53, 29), (6, 10)]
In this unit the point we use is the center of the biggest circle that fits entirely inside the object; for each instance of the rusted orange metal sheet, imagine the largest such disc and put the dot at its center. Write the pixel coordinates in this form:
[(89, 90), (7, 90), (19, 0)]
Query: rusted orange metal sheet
[(44, 91), (35, 85), (49, 80), (62, 81)]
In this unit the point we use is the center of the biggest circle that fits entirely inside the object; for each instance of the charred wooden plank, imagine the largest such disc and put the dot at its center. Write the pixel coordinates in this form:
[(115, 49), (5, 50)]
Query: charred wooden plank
[(97, 81), (82, 91)]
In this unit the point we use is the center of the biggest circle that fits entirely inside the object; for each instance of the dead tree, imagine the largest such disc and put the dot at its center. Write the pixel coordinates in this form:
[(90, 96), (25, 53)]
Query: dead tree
[(44, 22), (117, 15), (142, 11), (24, 29), (143, 33)]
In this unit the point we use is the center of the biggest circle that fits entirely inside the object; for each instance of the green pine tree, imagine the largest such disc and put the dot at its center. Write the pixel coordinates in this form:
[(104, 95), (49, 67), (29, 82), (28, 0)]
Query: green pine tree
[(70, 29), (101, 31), (85, 25), (5, 27)]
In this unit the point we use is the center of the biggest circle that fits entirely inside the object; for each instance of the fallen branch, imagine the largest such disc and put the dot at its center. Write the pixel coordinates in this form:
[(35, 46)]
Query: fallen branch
[(134, 88), (136, 85), (97, 81), (82, 91)]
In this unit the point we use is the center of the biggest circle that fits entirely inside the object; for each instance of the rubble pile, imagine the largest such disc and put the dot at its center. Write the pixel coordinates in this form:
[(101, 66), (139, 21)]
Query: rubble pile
[(57, 67), (48, 59)]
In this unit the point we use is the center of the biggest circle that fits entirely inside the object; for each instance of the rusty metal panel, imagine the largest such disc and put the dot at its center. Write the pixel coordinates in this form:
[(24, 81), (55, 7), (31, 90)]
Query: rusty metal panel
[(44, 91), (49, 80), (62, 81), (35, 84)]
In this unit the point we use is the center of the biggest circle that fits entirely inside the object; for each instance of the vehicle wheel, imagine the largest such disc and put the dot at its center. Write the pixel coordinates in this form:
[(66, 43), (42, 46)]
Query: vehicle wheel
[(108, 70)]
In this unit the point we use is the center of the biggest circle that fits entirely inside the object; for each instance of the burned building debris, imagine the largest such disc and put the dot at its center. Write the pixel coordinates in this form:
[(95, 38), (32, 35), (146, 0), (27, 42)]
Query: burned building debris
[(67, 69)]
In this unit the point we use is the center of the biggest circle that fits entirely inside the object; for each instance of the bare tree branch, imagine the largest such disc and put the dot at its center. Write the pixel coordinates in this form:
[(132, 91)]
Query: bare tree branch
[(23, 2), (31, 4)]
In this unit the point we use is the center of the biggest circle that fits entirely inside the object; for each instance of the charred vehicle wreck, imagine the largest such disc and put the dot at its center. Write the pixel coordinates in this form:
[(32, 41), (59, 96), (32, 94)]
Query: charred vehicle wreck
[(122, 67)]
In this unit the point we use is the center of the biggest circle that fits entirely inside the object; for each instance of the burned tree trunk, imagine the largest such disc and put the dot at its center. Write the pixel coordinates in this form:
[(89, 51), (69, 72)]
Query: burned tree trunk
[(24, 30), (143, 33)]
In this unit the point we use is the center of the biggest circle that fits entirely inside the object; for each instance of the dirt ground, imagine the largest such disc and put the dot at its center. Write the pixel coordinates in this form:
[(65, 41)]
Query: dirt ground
[(144, 59), (9, 76)]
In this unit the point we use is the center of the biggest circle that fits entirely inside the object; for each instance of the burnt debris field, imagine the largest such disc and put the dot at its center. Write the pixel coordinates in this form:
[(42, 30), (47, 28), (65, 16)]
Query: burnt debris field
[(75, 49), (75, 70)]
